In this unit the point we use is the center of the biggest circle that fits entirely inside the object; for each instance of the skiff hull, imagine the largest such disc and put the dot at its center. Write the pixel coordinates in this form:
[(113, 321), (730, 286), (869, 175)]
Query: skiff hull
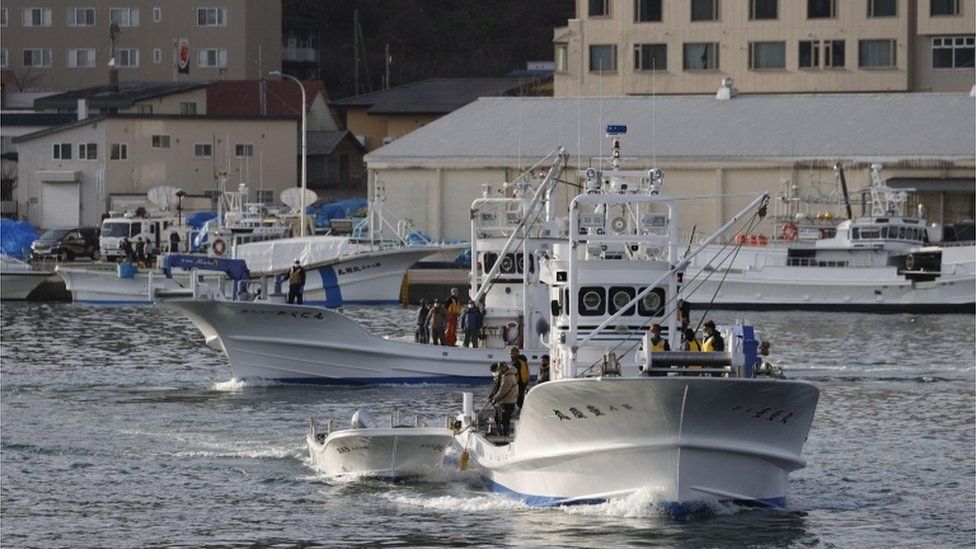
[(389, 454)]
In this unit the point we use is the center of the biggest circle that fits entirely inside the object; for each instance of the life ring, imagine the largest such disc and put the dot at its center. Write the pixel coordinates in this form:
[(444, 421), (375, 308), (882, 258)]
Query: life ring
[(219, 247), (511, 333), (788, 232)]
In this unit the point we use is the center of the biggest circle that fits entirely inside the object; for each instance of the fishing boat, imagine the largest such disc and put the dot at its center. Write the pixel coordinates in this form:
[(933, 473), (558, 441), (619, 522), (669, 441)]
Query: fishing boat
[(882, 261), (365, 450), (616, 418), (18, 279), (265, 338)]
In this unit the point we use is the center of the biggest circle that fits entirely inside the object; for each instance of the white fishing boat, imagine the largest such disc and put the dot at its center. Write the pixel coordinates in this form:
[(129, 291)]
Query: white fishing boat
[(18, 279), (396, 452), (883, 261), (341, 270), (693, 427), (273, 340)]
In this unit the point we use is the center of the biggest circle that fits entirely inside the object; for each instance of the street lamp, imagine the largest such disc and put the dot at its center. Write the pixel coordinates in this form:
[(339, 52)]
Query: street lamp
[(301, 87)]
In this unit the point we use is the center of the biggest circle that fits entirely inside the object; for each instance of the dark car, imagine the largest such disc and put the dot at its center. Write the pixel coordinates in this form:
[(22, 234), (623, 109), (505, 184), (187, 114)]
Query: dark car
[(67, 244)]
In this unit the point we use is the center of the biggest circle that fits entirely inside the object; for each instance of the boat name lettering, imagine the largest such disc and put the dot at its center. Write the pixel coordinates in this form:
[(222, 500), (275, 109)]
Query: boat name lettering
[(780, 414), (347, 449), (576, 413), (293, 314), (356, 268), (435, 447)]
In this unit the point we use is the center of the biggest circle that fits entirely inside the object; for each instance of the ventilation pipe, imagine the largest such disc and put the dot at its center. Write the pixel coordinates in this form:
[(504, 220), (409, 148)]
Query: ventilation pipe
[(726, 91)]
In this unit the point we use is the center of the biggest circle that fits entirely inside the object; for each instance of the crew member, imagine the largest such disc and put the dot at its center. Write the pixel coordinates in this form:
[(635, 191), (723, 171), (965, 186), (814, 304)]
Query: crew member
[(506, 397), (436, 319), (296, 283), (543, 370), (471, 323), (453, 306), (521, 367), (658, 343)]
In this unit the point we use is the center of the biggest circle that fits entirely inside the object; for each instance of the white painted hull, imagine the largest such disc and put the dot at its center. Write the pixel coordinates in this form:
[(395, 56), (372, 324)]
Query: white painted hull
[(688, 439), (761, 280), (19, 284), (389, 454), (316, 345), (102, 284)]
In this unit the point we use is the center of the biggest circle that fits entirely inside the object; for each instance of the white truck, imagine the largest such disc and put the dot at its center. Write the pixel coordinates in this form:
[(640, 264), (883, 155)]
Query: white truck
[(154, 231)]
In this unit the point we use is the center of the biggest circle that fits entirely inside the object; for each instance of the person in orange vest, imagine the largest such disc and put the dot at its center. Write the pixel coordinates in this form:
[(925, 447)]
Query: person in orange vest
[(453, 306)]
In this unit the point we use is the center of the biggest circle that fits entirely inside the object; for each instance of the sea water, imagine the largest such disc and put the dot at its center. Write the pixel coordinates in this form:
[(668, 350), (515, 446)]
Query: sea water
[(120, 428)]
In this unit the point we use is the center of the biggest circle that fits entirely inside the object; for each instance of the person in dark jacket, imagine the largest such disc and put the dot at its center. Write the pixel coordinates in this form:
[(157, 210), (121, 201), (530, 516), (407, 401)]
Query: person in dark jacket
[(423, 333), (506, 397), (471, 322), (543, 370), (521, 366), (436, 320), (125, 246), (174, 242), (140, 250), (296, 283)]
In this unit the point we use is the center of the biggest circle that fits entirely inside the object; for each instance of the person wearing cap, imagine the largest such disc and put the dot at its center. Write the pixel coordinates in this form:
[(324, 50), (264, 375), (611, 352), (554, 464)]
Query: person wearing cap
[(436, 319), (506, 397), (713, 340), (423, 333), (471, 322), (658, 343), (690, 344), (296, 283), (543, 370)]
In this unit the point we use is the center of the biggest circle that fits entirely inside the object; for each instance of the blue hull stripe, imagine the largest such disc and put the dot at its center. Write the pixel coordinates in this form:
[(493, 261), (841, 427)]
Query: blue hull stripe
[(671, 507), (330, 286)]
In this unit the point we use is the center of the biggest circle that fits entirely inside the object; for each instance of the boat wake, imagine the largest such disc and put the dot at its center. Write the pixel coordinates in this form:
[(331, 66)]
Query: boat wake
[(456, 504)]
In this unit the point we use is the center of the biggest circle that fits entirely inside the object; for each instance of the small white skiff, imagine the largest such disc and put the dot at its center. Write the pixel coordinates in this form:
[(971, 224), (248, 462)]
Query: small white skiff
[(389, 453)]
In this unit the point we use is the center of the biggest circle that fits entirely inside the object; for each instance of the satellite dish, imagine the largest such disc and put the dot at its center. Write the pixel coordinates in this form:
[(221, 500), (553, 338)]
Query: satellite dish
[(293, 197), (164, 196)]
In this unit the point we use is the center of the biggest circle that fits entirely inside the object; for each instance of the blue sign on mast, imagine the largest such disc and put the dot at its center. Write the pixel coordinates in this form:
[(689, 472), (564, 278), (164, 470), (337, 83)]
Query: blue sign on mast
[(616, 129)]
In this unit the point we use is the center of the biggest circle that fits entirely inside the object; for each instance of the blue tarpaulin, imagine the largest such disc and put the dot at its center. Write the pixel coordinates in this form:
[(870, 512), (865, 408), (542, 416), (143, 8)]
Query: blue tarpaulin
[(16, 238), (196, 220), (342, 209)]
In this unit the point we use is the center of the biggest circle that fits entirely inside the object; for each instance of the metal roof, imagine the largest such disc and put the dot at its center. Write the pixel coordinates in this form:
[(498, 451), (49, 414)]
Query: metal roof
[(323, 143), (436, 95), (140, 116), (877, 126), (104, 97)]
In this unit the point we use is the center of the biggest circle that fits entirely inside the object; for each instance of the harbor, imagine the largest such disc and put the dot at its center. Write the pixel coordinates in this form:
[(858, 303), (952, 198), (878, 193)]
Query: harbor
[(150, 442)]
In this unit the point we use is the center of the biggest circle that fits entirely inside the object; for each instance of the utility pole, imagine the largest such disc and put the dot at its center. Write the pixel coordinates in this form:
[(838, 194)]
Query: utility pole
[(355, 47), (388, 60)]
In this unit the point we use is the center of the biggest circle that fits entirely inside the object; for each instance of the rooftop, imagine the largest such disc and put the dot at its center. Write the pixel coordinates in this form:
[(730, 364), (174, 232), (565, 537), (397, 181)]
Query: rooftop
[(139, 116), (438, 95), (243, 97), (104, 97)]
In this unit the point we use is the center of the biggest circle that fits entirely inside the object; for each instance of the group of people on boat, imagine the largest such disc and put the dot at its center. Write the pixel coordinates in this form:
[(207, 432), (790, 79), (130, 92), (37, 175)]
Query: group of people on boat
[(438, 322), (510, 382), (711, 341)]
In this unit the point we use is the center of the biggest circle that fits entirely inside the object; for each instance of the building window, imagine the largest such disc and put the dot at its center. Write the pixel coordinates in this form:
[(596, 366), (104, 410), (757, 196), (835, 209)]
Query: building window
[(647, 11), (820, 9), (3, 58), (562, 57), (763, 9), (119, 151), (952, 52), (160, 141), (81, 17), (704, 10), (599, 8), (157, 55), (188, 107), (810, 54), (876, 54), (700, 57), (245, 150), (603, 58), (944, 7), (37, 57), (767, 55), (3, 17), (882, 8), (124, 17), (81, 58), (650, 57), (211, 17), (157, 15), (37, 17), (127, 58), (212, 57), (144, 109), (87, 151), (202, 150), (62, 151)]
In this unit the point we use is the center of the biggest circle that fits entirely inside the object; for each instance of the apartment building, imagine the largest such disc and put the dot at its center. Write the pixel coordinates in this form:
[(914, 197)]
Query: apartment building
[(64, 44), (74, 173), (636, 47)]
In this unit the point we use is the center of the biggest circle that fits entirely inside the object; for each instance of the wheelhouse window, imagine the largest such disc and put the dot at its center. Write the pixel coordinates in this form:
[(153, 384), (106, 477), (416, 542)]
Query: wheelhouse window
[(592, 301), (650, 57), (619, 297), (882, 8), (760, 10), (603, 58), (876, 54), (647, 11), (952, 52), (820, 9), (599, 8), (943, 7), (704, 10), (81, 17), (211, 17), (699, 57), (767, 55), (652, 304)]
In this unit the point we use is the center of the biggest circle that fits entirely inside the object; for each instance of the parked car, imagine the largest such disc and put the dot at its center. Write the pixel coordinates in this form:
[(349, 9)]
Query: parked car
[(67, 244)]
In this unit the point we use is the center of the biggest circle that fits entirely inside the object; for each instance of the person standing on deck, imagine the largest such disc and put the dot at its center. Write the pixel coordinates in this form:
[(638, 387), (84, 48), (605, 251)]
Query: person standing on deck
[(296, 283), (436, 319), (471, 324), (521, 366), (423, 332), (453, 305), (506, 397), (174, 242), (543, 370)]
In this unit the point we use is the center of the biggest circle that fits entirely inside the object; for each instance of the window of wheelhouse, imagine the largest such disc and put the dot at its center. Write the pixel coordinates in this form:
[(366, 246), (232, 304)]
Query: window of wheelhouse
[(870, 232), (652, 304), (855, 233), (592, 301), (619, 297)]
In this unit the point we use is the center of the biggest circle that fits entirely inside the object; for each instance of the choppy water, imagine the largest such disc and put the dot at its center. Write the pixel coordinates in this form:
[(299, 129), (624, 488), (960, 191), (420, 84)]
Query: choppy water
[(119, 428)]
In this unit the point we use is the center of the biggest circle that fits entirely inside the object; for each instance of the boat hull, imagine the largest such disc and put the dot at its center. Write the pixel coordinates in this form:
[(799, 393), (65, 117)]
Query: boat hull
[(103, 285), (306, 344), (19, 284), (690, 440), (389, 454)]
